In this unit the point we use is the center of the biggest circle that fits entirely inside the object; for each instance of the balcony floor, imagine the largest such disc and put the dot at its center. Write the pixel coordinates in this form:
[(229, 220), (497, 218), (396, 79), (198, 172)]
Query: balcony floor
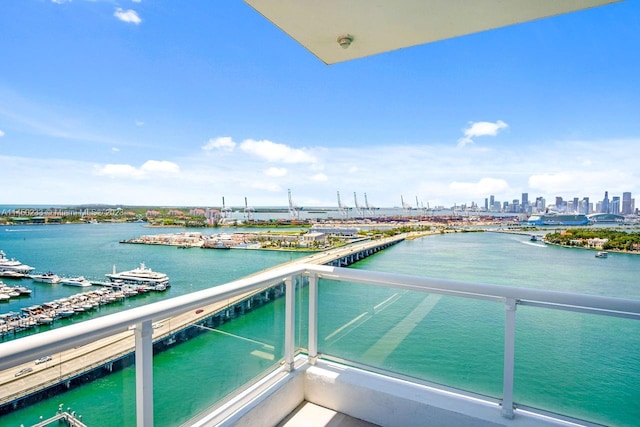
[(311, 415)]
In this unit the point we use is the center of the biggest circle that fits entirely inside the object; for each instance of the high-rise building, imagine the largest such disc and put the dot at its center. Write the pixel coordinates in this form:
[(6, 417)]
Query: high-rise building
[(585, 207), (492, 201), (615, 205), (626, 203), (604, 207), (558, 201), (525, 202)]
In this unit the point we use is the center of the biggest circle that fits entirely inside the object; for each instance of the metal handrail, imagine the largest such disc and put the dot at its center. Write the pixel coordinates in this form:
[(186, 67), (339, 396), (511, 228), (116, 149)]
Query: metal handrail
[(26, 349)]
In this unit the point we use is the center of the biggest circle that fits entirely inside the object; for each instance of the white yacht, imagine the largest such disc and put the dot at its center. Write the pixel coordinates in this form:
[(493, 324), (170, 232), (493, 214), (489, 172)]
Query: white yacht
[(75, 281), (142, 275), (47, 277), (7, 264)]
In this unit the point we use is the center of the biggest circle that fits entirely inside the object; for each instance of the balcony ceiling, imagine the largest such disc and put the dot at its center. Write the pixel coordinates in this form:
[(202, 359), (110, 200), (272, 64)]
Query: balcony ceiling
[(378, 26)]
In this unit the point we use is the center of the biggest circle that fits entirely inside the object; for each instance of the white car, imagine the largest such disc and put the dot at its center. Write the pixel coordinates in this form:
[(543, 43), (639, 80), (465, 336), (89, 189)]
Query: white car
[(23, 371), (43, 359)]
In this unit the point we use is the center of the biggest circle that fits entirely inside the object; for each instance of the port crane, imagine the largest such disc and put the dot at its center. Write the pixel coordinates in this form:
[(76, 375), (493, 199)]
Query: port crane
[(294, 211), (226, 211), (406, 206), (344, 211), (359, 210), (248, 211), (367, 206)]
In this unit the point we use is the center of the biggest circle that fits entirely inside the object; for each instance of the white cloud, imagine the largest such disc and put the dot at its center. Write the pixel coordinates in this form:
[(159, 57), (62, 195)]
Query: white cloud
[(275, 172), (162, 166), (130, 16), (139, 123), (353, 169), (477, 129), (137, 1), (319, 177), (60, 1), (148, 169), (1, 134), (481, 188), (223, 143), (116, 171), (267, 186), (274, 152), (115, 149)]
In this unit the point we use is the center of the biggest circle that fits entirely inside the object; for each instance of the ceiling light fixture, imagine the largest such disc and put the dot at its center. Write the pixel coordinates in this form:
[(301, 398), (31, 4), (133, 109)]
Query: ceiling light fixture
[(345, 40)]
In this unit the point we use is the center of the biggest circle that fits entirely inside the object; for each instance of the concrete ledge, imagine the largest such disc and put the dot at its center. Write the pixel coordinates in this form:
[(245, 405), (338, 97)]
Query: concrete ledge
[(364, 395), (390, 402)]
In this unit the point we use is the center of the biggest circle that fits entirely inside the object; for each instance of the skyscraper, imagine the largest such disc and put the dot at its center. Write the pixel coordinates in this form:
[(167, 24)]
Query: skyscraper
[(627, 208), (525, 202), (614, 208), (604, 207)]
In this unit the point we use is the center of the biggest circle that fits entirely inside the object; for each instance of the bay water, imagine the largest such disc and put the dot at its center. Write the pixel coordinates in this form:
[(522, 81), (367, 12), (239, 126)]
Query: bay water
[(580, 365)]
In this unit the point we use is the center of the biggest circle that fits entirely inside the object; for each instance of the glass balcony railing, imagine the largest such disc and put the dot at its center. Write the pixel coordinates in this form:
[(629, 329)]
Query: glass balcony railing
[(458, 335)]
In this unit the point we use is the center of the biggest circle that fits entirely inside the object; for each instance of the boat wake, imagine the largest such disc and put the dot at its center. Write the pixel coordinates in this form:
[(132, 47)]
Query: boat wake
[(534, 244)]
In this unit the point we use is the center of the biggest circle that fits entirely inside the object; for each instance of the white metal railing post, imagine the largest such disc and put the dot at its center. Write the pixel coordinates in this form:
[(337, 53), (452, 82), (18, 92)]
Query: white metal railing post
[(509, 357), (289, 320), (313, 318), (144, 373)]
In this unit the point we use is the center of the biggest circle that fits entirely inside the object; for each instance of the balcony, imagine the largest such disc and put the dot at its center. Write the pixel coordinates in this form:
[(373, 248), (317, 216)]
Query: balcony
[(356, 353)]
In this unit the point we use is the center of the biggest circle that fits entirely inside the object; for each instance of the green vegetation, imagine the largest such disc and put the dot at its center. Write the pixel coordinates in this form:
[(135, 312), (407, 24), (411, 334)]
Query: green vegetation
[(588, 238)]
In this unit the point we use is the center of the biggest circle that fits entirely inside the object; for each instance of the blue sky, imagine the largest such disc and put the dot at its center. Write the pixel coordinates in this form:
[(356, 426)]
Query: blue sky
[(181, 103)]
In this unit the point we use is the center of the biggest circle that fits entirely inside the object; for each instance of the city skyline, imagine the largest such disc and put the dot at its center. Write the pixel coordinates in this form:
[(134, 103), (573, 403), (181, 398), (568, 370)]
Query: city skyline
[(185, 104)]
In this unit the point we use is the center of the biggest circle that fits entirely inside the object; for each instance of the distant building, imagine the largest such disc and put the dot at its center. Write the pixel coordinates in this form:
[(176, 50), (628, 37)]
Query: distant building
[(627, 205), (615, 205), (335, 231), (604, 206)]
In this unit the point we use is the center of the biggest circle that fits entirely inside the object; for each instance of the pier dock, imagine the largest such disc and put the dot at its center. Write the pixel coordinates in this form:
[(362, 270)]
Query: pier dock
[(72, 367)]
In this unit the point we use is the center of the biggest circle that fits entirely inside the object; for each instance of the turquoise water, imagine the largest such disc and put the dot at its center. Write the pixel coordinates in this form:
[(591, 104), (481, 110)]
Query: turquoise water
[(594, 361)]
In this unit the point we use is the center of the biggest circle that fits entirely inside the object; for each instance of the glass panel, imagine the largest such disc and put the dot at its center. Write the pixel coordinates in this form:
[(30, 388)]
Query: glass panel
[(585, 366), (107, 396), (199, 366), (223, 357), (448, 340)]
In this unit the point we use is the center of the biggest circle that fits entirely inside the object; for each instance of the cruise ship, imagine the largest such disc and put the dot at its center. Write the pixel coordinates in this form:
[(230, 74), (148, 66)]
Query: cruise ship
[(558, 219), (142, 275), (306, 376), (12, 265)]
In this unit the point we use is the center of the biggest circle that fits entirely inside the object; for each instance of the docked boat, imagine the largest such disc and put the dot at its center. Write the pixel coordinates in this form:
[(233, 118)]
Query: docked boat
[(142, 275), (75, 281), (602, 254), (47, 277), (7, 264), (11, 274)]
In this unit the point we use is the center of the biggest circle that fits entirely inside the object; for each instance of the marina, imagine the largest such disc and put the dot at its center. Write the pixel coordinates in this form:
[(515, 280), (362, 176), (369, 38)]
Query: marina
[(47, 313)]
